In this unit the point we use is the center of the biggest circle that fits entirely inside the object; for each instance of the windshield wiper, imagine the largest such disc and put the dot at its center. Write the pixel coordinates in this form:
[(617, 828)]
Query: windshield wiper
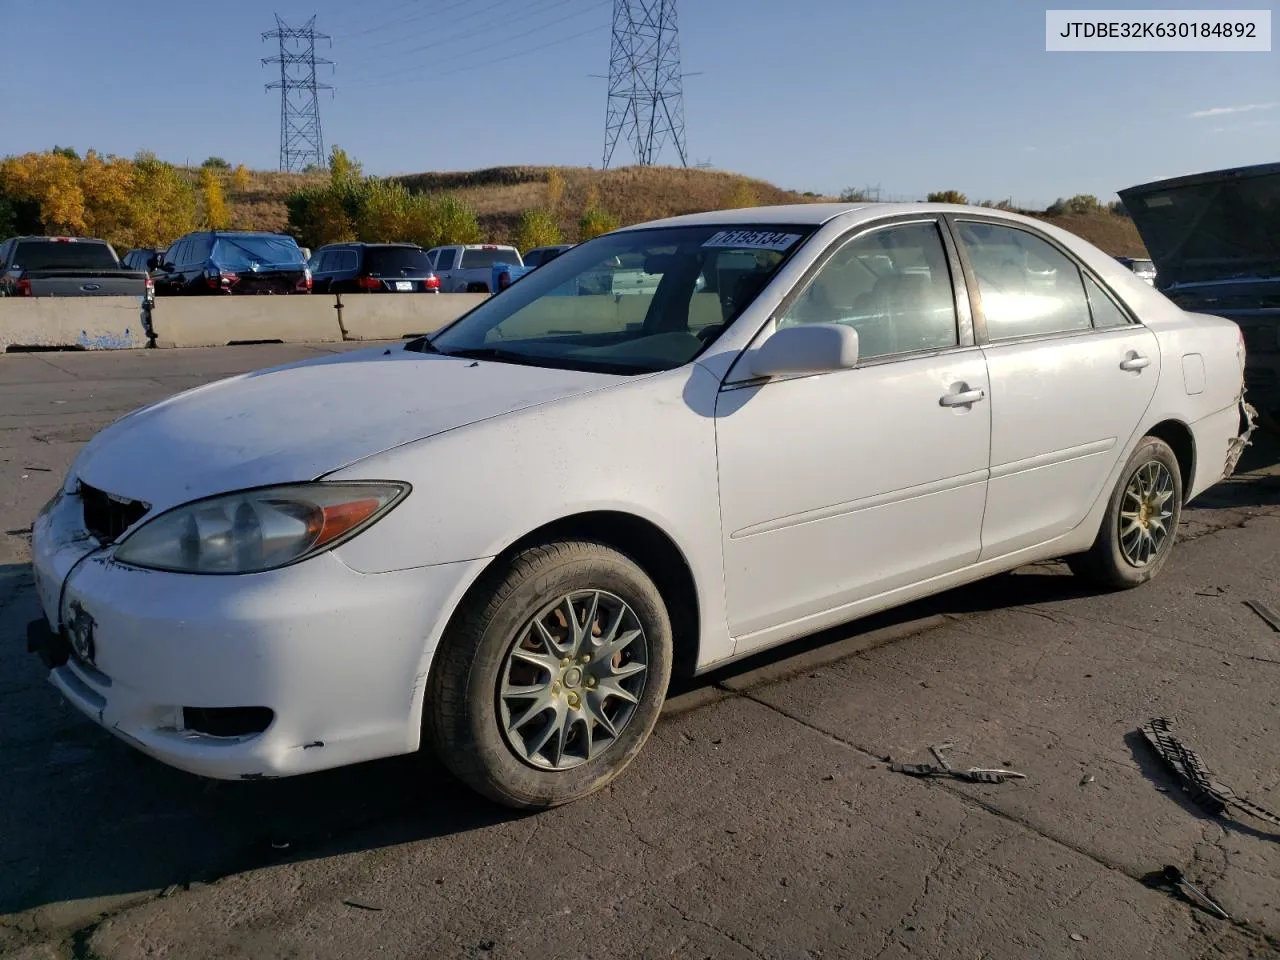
[(491, 353), (558, 362)]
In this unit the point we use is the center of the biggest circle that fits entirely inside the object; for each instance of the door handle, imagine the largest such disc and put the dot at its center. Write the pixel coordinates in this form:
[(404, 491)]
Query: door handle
[(1135, 362), (962, 399)]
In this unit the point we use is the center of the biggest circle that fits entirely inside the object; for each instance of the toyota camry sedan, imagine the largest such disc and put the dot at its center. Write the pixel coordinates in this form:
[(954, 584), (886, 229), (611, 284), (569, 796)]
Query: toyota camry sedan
[(499, 541)]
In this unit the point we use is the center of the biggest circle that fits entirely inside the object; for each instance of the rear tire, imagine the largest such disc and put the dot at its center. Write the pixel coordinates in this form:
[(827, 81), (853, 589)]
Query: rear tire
[(511, 668), (1141, 522)]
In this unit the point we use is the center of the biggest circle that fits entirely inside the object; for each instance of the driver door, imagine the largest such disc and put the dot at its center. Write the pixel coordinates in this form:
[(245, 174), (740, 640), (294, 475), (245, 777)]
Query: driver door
[(844, 486)]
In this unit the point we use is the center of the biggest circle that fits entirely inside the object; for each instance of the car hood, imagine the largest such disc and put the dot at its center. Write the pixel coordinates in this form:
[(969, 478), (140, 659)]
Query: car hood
[(1209, 227), (300, 421)]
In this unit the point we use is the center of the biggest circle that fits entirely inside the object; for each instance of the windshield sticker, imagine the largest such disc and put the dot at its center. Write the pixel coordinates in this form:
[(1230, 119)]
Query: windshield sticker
[(753, 239)]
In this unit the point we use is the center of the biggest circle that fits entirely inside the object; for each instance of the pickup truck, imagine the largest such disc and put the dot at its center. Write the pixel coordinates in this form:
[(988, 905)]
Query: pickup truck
[(468, 268), (68, 267)]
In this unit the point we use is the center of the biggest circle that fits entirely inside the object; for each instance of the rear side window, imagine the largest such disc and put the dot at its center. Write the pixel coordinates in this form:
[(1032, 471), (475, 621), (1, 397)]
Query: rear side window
[(1027, 286), (487, 258), (446, 258), (37, 255), (534, 258), (381, 260), (1105, 311)]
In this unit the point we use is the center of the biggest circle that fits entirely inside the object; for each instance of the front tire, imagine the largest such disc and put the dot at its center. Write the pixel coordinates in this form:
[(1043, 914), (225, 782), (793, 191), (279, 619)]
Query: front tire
[(1141, 522), (551, 677)]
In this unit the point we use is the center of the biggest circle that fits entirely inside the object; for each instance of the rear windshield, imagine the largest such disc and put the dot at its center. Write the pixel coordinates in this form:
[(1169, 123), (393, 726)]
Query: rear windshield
[(267, 251), (487, 258), (396, 260), (45, 255)]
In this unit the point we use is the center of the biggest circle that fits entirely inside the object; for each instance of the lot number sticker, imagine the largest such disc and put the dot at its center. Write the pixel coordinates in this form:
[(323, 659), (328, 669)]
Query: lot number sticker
[(753, 239)]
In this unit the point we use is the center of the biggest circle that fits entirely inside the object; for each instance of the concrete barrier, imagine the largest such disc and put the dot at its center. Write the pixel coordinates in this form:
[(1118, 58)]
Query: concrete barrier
[(85, 323), (218, 321), (389, 316)]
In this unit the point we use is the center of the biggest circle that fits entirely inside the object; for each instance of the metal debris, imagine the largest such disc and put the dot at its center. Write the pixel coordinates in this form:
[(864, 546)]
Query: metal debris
[(1210, 795), (1087, 778), (1265, 612), (1170, 877), (1211, 592), (944, 769)]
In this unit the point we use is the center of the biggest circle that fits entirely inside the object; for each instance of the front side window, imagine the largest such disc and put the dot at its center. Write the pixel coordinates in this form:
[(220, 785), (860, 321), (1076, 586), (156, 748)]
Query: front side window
[(1027, 286), (892, 285), (630, 302)]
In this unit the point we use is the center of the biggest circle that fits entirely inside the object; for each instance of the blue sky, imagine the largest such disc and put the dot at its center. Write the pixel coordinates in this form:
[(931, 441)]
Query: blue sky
[(907, 95)]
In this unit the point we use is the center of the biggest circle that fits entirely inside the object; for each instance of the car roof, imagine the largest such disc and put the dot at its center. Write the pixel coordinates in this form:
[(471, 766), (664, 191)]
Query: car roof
[(55, 238), (817, 214)]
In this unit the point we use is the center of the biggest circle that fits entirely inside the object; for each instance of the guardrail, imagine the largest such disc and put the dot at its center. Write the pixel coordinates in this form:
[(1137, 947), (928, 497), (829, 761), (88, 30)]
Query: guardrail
[(123, 323)]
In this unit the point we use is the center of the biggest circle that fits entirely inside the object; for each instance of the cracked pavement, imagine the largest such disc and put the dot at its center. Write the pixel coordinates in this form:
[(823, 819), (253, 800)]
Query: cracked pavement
[(761, 821)]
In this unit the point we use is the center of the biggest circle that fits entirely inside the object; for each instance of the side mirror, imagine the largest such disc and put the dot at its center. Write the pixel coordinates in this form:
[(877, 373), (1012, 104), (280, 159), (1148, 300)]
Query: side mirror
[(808, 348)]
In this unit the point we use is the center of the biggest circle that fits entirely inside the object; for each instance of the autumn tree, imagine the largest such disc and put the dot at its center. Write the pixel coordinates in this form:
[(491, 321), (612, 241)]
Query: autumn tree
[(537, 228), (555, 189), (215, 204), (342, 168), (742, 195), (240, 178)]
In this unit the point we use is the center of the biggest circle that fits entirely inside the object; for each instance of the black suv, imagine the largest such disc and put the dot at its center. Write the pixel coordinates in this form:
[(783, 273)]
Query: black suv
[(372, 268), (222, 261)]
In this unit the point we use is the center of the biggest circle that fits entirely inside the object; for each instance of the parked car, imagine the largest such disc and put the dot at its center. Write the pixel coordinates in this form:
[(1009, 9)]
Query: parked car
[(68, 267), (1143, 268), (468, 268), (142, 258), (372, 268), (1216, 250), (540, 255), (231, 262), (328, 563)]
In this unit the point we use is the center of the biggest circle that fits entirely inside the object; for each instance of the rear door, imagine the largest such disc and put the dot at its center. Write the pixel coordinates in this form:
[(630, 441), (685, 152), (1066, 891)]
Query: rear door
[(1072, 374)]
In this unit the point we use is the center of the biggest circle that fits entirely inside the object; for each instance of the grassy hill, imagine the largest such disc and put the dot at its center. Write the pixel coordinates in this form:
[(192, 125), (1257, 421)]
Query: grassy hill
[(634, 194)]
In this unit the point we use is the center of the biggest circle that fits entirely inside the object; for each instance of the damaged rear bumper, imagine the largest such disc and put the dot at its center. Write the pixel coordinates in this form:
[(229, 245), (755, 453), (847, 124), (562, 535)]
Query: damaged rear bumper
[(1236, 448)]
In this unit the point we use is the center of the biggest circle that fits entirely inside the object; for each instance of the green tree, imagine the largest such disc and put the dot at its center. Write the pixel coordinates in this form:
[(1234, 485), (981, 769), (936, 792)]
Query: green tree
[(216, 163), (68, 152), (537, 228), (457, 222), (383, 212), (947, 196), (595, 222)]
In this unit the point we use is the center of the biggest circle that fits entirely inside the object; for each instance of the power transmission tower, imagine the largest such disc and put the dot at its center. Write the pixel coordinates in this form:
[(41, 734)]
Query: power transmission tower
[(301, 141), (646, 97)]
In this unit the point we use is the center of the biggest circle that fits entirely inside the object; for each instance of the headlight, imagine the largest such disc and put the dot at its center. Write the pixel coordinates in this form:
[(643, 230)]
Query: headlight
[(258, 530)]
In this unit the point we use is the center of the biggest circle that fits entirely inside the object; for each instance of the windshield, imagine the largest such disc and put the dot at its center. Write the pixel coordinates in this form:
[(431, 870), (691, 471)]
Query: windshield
[(684, 286), (52, 255), (482, 257), (243, 252), (378, 260)]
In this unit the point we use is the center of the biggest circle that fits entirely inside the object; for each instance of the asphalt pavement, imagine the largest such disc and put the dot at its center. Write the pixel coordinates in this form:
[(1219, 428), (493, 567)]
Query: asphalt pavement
[(761, 820)]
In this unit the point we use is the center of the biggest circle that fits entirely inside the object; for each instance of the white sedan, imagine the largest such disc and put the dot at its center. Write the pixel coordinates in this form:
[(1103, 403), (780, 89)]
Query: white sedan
[(501, 540)]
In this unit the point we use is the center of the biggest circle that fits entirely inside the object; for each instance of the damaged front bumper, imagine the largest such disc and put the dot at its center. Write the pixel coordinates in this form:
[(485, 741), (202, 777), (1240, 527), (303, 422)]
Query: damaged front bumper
[(304, 668)]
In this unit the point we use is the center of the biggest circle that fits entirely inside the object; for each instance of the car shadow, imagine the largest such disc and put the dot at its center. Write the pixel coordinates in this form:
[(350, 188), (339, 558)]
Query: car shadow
[(91, 817)]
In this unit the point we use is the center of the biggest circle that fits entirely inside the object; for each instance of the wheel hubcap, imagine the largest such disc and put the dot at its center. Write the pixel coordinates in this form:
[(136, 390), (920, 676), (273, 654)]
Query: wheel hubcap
[(1146, 513), (572, 680)]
